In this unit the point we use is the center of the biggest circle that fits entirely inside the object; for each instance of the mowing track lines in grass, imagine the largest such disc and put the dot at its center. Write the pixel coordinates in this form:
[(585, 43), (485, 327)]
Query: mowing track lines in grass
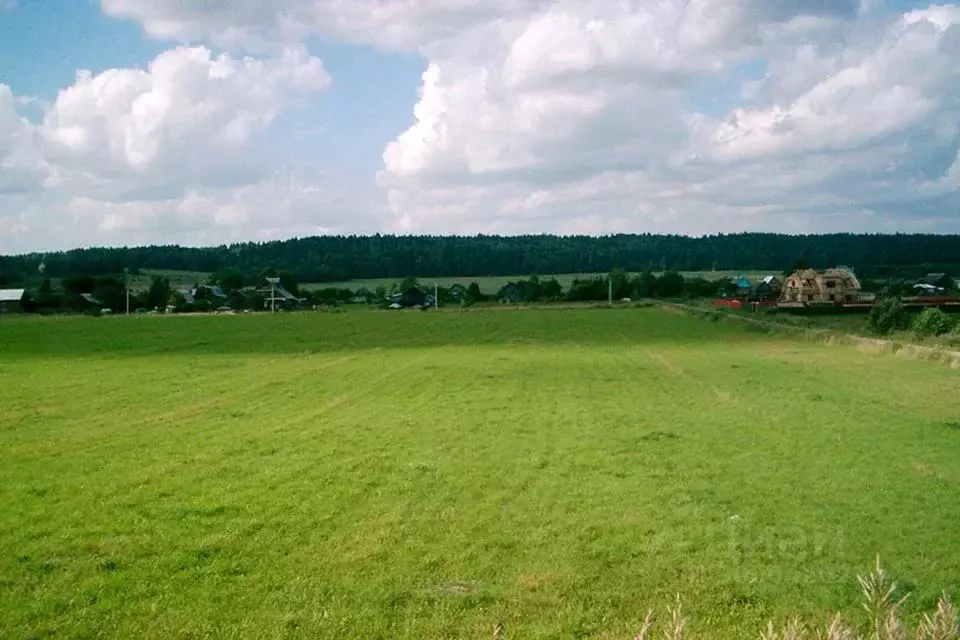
[(679, 372), (360, 392)]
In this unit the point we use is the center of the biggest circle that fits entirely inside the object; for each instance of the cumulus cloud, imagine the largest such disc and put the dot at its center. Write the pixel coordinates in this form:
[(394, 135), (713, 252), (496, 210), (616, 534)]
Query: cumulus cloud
[(284, 204), (572, 116), (189, 118), (587, 120), (21, 167), (395, 25), (177, 145)]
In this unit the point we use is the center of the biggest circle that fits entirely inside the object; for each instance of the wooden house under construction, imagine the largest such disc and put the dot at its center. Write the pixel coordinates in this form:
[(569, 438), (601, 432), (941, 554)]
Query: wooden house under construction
[(830, 287)]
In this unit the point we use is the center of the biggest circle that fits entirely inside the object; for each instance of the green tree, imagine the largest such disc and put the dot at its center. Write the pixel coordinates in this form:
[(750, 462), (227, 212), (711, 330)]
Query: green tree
[(473, 292), (588, 289), (530, 290), (78, 284), (111, 292), (179, 302), (327, 295), (256, 302), (699, 288), (726, 286), (46, 297), (800, 264), (289, 281), (229, 280), (670, 285), (159, 293), (932, 322), (620, 283), (408, 283), (337, 258), (381, 292), (644, 285), (551, 289), (237, 301), (887, 316)]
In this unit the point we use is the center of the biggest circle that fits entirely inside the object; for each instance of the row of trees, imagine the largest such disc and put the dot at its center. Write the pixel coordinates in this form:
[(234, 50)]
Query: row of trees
[(619, 284), (105, 292), (339, 258)]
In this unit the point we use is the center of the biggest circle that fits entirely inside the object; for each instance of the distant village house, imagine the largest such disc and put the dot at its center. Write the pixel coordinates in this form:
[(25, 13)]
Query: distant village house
[(458, 292), (510, 293), (12, 300), (278, 297), (411, 298), (768, 287), (832, 286), (363, 296)]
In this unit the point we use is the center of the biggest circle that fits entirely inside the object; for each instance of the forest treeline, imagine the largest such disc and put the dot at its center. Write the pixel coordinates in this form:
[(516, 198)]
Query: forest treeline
[(340, 258)]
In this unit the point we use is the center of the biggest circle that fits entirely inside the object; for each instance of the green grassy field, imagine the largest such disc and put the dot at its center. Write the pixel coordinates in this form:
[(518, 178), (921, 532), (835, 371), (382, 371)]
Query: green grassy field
[(429, 475)]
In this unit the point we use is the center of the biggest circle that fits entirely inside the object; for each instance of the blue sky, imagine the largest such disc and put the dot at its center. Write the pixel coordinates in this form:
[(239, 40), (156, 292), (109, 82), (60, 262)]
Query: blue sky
[(680, 116), (44, 42)]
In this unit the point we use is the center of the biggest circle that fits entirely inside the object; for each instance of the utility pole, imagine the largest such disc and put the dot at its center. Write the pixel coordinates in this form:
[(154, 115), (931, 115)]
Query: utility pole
[(610, 290), (126, 285), (436, 296), (273, 293)]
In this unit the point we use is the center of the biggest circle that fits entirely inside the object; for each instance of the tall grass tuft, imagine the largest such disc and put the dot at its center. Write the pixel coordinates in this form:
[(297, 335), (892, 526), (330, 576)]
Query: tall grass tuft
[(879, 602), (674, 630), (942, 624)]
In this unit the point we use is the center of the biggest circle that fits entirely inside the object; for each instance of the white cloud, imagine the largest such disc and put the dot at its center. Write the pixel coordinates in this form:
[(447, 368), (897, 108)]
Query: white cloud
[(190, 118), (177, 145), (287, 203), (592, 116), (400, 25), (587, 120), (21, 168)]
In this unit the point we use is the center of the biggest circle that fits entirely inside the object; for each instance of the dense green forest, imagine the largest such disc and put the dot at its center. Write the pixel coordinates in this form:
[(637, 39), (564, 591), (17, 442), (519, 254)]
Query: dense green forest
[(338, 258)]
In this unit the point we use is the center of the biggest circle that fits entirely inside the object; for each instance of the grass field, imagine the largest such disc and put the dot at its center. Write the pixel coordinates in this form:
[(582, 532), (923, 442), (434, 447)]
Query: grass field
[(490, 285), (429, 475), (176, 278)]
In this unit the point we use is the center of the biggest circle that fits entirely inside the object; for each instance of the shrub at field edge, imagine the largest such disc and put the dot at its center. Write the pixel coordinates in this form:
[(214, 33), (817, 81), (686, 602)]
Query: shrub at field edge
[(932, 322)]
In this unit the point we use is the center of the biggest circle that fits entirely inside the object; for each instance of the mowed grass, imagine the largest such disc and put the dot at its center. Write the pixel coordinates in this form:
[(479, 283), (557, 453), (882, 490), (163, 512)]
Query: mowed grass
[(430, 475)]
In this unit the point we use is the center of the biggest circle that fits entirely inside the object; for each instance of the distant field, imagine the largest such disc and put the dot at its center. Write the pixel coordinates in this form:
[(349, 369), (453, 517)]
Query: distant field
[(491, 284), (430, 475), (140, 281), (176, 278)]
